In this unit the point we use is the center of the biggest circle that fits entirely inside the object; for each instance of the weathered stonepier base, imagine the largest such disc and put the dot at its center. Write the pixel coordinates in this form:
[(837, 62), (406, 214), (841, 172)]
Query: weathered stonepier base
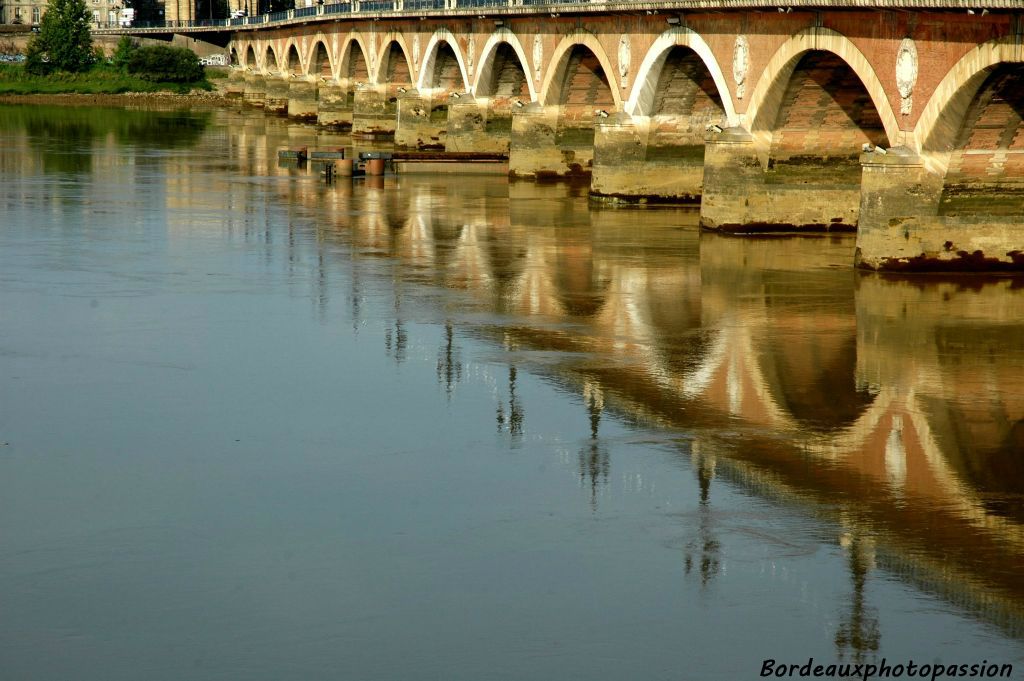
[(235, 88), (482, 124), (795, 194), (422, 120), (276, 100), (546, 145), (255, 89), (634, 163), (302, 100), (374, 112), (334, 108), (907, 225)]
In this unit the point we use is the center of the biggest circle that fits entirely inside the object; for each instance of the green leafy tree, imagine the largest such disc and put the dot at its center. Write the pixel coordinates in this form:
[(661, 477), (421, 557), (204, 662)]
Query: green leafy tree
[(123, 52), (160, 63), (64, 42)]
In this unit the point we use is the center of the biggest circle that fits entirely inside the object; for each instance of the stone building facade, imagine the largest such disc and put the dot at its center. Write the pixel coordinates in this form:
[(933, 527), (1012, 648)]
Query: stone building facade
[(105, 13)]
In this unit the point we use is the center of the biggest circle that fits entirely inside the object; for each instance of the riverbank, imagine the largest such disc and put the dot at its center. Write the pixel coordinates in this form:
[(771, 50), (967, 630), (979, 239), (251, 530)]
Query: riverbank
[(147, 99)]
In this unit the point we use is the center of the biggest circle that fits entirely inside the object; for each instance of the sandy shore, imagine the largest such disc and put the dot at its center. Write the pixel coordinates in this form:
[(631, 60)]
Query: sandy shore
[(146, 99)]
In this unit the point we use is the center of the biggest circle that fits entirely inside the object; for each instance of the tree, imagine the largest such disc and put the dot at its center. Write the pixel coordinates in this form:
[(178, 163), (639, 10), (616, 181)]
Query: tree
[(125, 47), (161, 63), (64, 41)]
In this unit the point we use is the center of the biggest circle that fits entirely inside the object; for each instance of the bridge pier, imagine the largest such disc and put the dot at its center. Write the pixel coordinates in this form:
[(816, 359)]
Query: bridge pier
[(422, 120), (804, 194), (483, 124), (236, 84), (255, 89), (276, 99), (636, 161), (302, 99), (374, 112), (547, 144), (907, 223), (334, 108)]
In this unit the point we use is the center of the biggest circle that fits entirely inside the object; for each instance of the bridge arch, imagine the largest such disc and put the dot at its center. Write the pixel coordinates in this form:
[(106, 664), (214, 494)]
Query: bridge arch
[(354, 63), (642, 98), (766, 100), (486, 78), (434, 52), (320, 64), (944, 114), (293, 61), (270, 61), (250, 58), (394, 67), (559, 73)]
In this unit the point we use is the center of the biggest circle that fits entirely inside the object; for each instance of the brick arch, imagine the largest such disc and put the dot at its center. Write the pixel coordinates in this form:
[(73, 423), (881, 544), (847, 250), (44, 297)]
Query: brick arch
[(429, 61), (944, 114), (485, 71), (346, 67), (251, 61), (384, 61), (642, 98), (270, 60), (767, 97), (984, 165), (312, 61), (293, 60), (552, 89)]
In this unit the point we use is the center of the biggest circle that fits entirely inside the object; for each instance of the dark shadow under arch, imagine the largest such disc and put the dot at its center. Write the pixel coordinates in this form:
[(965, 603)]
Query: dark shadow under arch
[(321, 62), (504, 75), (294, 61)]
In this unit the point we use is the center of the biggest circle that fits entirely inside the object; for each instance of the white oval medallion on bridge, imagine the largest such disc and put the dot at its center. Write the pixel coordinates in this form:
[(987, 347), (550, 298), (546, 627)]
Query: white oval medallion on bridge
[(906, 74)]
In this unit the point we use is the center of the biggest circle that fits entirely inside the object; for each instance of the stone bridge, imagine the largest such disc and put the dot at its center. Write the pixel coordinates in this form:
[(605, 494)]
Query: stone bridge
[(902, 121)]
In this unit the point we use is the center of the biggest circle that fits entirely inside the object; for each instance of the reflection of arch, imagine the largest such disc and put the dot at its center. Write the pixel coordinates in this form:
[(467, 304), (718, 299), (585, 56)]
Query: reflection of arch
[(945, 111), (386, 68), (426, 76), (554, 80), (320, 62), (293, 61), (766, 99), (644, 88), (485, 73), (270, 64), (354, 62)]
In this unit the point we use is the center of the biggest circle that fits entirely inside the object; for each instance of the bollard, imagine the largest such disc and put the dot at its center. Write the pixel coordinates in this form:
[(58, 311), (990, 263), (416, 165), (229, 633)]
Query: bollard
[(375, 166), (344, 167)]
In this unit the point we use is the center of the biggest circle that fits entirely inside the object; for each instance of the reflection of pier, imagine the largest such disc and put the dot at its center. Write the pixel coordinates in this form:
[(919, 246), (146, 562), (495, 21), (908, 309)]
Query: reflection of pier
[(750, 341), (891, 408)]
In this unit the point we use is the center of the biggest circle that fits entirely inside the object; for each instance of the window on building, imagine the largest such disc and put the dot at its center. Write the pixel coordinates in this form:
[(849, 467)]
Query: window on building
[(35, 15), (95, 16)]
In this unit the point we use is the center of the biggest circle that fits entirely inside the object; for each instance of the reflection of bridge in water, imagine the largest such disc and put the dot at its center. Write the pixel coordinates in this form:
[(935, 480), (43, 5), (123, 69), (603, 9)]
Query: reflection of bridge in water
[(893, 408)]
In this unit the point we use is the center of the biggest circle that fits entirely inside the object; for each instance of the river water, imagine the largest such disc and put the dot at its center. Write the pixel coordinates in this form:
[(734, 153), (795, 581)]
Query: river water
[(439, 427)]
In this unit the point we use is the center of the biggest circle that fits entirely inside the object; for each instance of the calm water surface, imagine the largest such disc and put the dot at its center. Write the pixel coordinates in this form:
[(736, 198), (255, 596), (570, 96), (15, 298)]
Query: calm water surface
[(444, 428)]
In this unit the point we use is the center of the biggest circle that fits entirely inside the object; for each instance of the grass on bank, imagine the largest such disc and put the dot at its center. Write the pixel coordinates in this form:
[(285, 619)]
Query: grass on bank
[(100, 80)]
